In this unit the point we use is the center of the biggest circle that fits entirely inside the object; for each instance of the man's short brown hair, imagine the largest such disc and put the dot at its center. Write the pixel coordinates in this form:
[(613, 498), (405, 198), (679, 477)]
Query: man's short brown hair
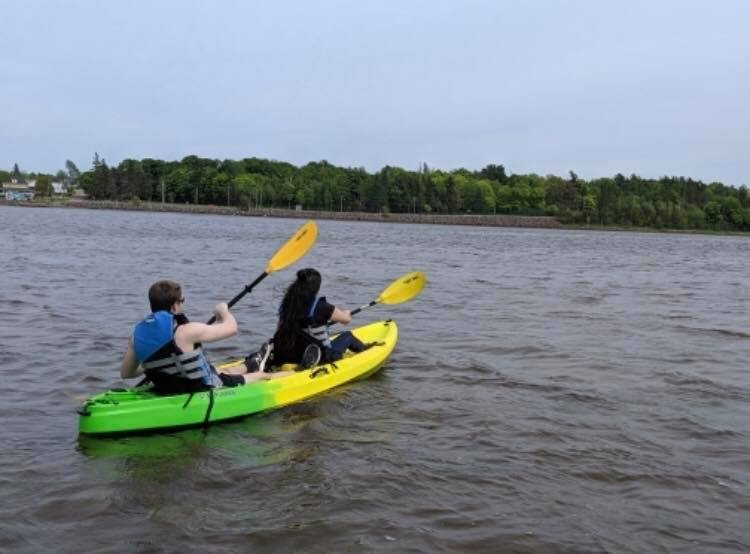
[(163, 294)]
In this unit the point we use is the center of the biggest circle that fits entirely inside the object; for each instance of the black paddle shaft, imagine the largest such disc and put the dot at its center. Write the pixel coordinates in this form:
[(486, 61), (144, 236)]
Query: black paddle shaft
[(237, 298), (357, 310)]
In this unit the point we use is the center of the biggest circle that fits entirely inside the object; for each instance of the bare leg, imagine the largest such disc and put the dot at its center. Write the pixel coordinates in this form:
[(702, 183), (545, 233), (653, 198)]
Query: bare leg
[(238, 369), (277, 374), (263, 376)]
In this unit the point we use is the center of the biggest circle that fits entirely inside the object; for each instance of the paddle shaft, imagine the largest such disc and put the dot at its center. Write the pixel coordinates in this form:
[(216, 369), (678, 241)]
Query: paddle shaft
[(291, 251), (357, 310), (237, 298)]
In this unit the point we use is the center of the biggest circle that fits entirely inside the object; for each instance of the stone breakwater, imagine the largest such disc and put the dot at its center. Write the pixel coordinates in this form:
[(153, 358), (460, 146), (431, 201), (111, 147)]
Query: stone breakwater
[(436, 219)]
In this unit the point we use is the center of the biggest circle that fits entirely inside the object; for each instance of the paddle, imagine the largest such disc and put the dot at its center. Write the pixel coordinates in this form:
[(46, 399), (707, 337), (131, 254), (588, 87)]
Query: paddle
[(292, 250), (401, 290)]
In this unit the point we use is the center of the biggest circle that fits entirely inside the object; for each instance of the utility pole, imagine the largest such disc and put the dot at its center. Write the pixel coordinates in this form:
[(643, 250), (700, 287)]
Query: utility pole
[(162, 190)]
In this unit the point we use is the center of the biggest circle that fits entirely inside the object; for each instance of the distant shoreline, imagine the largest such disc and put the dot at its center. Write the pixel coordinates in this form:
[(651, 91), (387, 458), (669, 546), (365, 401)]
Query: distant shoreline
[(479, 220), (482, 220)]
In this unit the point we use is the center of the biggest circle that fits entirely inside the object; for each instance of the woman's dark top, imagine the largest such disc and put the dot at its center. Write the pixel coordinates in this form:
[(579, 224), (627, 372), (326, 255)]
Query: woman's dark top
[(293, 355)]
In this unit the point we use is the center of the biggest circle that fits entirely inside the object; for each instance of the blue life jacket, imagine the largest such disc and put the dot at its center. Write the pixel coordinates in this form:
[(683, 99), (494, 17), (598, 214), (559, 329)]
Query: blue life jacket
[(165, 364)]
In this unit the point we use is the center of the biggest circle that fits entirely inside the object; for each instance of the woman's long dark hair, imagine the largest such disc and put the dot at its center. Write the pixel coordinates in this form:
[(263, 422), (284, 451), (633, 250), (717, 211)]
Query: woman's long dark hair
[(295, 305)]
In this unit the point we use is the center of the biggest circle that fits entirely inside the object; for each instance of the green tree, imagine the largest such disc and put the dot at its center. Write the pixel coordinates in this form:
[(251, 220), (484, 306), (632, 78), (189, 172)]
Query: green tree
[(478, 195), (505, 199), (589, 207), (222, 190), (99, 188), (72, 170), (649, 212), (746, 219), (303, 195), (61, 177), (713, 212), (376, 193), (695, 217), (486, 196), (286, 192), (679, 217), (493, 173), (43, 186), (250, 187), (731, 210), (177, 184), (454, 202), (71, 175), (743, 196), (86, 182)]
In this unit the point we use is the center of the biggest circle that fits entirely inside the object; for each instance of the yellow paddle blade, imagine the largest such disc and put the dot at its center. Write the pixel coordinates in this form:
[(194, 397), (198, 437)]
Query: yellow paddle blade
[(402, 289), (293, 249)]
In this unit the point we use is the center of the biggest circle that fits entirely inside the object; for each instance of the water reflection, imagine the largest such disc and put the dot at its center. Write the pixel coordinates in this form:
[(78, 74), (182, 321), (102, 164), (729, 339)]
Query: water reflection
[(254, 441)]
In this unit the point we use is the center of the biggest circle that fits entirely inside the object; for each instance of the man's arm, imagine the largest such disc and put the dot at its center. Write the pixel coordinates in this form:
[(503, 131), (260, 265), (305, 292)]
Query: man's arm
[(224, 327), (130, 367)]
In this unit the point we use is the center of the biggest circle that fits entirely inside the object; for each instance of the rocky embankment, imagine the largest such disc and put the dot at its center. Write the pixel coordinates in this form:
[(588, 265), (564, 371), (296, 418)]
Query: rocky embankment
[(436, 219)]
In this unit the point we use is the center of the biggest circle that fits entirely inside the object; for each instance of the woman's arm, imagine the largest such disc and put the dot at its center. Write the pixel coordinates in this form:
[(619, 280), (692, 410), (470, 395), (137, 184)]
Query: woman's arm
[(341, 316)]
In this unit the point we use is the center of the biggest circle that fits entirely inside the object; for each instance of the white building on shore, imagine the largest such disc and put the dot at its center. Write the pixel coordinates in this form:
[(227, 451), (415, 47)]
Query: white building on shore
[(18, 190)]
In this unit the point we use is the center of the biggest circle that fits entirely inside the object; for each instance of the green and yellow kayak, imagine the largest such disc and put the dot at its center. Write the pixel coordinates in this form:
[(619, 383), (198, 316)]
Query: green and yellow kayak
[(132, 411)]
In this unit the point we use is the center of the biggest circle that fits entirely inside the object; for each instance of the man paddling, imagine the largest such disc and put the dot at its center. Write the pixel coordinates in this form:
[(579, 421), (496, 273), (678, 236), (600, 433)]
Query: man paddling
[(167, 347)]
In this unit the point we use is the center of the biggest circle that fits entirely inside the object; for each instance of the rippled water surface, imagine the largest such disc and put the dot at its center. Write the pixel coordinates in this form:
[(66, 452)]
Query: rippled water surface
[(552, 391)]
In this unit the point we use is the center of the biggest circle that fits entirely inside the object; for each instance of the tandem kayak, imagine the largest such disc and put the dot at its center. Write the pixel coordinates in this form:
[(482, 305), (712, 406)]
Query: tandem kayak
[(132, 411)]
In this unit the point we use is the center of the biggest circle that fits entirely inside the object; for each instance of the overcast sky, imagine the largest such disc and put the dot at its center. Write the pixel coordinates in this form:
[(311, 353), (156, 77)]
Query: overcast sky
[(658, 87)]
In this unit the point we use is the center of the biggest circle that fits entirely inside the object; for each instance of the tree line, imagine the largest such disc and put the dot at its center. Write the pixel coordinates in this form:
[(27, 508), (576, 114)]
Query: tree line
[(668, 202)]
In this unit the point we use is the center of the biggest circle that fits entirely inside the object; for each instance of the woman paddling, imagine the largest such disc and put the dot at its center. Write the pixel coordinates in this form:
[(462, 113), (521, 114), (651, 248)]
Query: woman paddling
[(302, 333)]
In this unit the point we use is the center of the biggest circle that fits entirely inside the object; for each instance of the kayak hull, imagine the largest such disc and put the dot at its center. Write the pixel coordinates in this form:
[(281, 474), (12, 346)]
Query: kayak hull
[(127, 411)]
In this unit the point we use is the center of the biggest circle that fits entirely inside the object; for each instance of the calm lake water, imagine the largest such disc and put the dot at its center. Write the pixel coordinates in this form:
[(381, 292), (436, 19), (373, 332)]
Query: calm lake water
[(552, 391)]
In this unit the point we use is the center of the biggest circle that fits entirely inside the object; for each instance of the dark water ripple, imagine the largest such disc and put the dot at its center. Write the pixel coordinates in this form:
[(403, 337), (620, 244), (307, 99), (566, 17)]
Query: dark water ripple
[(552, 392)]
